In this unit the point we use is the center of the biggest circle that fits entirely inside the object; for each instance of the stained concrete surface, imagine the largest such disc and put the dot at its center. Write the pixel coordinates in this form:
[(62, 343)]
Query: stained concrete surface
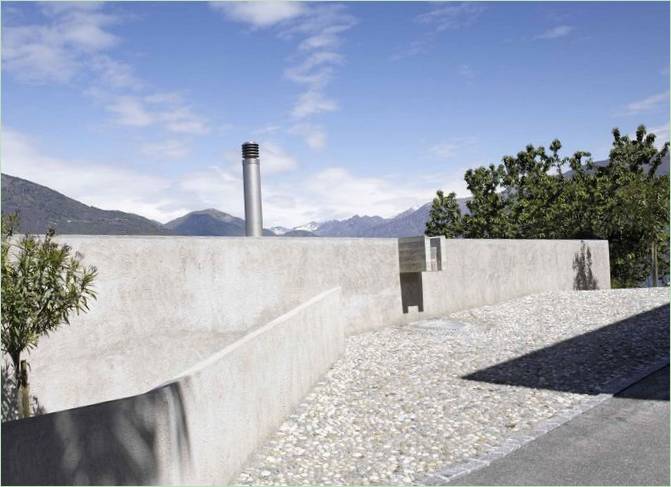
[(624, 441)]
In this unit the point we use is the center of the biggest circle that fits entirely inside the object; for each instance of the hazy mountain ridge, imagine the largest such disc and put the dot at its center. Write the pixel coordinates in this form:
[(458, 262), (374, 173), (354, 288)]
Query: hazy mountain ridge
[(41, 208), (209, 222)]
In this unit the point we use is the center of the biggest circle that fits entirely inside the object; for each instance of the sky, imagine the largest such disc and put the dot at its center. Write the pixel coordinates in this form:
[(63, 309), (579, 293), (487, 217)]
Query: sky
[(359, 107)]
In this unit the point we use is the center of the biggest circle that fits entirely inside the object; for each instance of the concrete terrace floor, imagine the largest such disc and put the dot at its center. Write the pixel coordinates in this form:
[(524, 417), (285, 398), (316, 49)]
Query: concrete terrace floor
[(405, 402)]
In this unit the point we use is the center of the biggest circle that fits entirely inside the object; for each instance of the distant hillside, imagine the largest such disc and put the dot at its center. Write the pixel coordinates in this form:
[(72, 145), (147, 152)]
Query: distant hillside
[(409, 223), (41, 208), (209, 222), (662, 170), (356, 226), (298, 233)]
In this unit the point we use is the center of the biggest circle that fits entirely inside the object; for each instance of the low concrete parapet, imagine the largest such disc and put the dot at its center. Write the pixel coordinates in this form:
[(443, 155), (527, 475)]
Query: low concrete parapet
[(198, 428)]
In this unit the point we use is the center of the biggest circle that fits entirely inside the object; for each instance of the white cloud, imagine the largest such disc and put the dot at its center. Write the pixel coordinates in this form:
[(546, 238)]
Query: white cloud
[(661, 134), (313, 102), (449, 149), (115, 73), (274, 159), (58, 50), (313, 135), (166, 149), (182, 120), (105, 186), (316, 69), (333, 192), (166, 110), (260, 14), (318, 29), (74, 40), (556, 32), (451, 16), (130, 111), (440, 17), (647, 104)]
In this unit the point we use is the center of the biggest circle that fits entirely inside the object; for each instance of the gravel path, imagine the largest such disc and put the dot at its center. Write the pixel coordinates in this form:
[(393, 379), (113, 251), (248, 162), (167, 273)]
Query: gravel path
[(404, 402)]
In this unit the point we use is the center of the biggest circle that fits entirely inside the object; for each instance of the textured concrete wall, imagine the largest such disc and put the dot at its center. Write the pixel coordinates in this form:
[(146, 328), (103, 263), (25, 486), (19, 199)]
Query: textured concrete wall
[(481, 272), (198, 428), (164, 303)]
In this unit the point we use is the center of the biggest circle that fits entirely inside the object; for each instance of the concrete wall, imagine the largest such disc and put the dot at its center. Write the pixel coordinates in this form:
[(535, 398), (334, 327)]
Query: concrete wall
[(198, 428), (481, 272), (166, 303)]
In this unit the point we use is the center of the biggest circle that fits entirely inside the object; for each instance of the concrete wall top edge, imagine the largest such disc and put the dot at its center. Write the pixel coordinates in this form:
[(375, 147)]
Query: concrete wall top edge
[(312, 239), (250, 336), (194, 369), (214, 237)]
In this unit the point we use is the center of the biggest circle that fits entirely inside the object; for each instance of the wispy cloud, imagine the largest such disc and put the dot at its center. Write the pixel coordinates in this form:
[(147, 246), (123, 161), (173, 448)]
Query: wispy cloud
[(318, 31), (661, 134), (115, 73), (450, 148), (74, 40), (451, 16), (166, 149), (465, 71), (107, 186), (301, 199), (60, 49), (442, 16), (313, 102), (260, 14), (314, 135), (647, 104), (556, 32), (167, 111)]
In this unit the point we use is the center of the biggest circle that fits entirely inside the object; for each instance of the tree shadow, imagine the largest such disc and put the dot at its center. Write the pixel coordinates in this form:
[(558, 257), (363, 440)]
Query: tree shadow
[(10, 410), (586, 363), (582, 265), (137, 440)]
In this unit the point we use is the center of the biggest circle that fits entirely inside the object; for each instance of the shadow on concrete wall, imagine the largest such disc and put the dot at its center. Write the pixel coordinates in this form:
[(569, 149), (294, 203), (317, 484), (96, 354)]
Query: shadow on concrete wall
[(582, 265), (120, 442), (10, 410), (585, 363), (412, 293)]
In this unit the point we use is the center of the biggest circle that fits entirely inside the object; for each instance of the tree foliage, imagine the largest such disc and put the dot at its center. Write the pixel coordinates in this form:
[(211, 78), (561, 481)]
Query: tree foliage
[(43, 282), (445, 216), (539, 194)]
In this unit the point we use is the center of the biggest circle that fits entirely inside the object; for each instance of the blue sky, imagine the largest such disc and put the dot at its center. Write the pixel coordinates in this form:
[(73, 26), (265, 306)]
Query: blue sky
[(360, 108)]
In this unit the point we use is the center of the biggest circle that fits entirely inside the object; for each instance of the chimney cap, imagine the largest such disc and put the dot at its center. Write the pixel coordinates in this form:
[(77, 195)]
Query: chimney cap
[(250, 150)]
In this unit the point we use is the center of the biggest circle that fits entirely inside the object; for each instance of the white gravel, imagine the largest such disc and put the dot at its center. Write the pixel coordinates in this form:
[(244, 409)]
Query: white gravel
[(399, 404)]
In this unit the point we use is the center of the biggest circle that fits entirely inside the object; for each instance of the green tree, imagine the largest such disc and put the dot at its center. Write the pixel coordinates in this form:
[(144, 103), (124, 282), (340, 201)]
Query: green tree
[(633, 207), (445, 216), (42, 283), (531, 195)]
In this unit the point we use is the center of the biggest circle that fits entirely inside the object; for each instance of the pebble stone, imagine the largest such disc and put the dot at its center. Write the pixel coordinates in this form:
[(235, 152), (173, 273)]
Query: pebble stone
[(405, 401)]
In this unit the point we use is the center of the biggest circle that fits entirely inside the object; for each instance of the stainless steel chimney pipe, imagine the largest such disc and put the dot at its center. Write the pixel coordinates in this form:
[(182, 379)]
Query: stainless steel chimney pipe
[(251, 176)]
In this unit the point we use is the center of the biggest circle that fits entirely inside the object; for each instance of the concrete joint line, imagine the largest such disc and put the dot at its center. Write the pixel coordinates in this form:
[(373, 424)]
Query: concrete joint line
[(516, 441)]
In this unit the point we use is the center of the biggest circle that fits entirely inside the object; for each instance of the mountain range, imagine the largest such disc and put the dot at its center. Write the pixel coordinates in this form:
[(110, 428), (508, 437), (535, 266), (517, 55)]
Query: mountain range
[(41, 208)]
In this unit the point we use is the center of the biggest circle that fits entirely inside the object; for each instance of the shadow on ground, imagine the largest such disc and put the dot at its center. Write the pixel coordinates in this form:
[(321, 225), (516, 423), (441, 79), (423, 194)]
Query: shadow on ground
[(583, 364), (655, 387)]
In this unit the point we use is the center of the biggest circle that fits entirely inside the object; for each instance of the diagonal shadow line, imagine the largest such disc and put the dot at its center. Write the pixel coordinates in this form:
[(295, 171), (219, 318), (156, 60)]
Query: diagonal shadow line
[(583, 364)]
